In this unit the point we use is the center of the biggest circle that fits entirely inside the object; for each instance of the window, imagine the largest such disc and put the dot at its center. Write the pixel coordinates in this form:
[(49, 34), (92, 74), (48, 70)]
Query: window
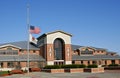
[(105, 62), (33, 51), (58, 49), (2, 52), (15, 52), (73, 62), (1, 64), (8, 51), (113, 61), (87, 52), (81, 62), (94, 62), (21, 51), (9, 48), (10, 64), (88, 62)]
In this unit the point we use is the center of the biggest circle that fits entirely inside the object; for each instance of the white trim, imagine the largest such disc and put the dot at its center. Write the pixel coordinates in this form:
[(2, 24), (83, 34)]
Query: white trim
[(51, 37), (9, 45), (59, 31), (58, 60), (87, 55), (86, 47), (68, 62), (50, 62), (6, 69), (24, 68)]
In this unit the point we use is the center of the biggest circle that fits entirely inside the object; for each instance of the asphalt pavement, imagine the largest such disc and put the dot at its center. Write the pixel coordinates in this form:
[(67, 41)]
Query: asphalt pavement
[(106, 74)]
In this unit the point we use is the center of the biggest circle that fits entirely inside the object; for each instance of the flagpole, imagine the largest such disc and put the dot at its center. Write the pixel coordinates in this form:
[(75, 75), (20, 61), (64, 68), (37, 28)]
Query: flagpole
[(28, 41)]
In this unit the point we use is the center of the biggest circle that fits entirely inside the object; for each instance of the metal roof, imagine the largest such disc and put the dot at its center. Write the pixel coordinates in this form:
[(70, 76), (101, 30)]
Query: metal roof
[(21, 45), (98, 48), (21, 58), (74, 47), (95, 57)]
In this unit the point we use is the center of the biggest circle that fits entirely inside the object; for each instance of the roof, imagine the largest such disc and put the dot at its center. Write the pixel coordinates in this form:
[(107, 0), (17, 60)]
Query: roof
[(21, 45), (74, 47), (98, 48), (111, 52), (21, 58), (45, 34), (95, 57)]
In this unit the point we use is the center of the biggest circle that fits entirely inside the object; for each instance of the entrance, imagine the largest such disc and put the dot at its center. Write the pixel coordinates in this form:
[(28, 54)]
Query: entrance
[(58, 49)]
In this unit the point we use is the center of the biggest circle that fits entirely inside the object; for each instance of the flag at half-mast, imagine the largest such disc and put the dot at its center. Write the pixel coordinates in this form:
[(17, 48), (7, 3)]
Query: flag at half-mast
[(34, 30)]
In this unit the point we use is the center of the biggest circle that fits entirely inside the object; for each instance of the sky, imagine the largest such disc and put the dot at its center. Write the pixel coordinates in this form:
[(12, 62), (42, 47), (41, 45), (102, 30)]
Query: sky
[(91, 22)]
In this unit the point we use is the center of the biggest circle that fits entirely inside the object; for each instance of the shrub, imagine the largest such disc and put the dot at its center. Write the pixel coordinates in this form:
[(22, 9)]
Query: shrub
[(82, 66), (104, 65), (64, 66), (113, 65), (73, 66), (69, 66), (52, 67), (92, 66), (4, 72)]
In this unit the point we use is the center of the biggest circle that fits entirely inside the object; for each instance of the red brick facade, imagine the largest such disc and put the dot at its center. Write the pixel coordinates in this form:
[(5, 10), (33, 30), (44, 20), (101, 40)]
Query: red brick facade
[(47, 51)]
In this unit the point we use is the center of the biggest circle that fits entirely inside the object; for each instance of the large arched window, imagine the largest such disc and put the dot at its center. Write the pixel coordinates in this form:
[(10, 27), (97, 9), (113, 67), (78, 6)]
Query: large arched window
[(58, 49)]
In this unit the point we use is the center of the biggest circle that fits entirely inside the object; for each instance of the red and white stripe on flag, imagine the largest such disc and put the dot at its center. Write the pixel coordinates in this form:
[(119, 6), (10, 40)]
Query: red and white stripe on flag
[(34, 30)]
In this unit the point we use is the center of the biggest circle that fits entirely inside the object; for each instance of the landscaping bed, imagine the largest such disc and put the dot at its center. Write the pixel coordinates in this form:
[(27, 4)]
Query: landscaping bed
[(17, 71), (94, 70), (35, 69), (74, 70), (112, 67), (64, 68)]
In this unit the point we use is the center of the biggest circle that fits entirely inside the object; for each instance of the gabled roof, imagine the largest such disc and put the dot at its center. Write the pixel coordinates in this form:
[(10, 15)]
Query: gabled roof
[(9, 45), (21, 45), (74, 47), (45, 34), (58, 31)]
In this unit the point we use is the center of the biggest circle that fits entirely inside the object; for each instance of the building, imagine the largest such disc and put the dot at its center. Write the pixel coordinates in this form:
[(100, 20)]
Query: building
[(53, 48)]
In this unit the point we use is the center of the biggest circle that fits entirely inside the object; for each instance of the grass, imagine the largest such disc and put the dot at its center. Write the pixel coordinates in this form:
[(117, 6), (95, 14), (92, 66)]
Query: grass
[(4, 72)]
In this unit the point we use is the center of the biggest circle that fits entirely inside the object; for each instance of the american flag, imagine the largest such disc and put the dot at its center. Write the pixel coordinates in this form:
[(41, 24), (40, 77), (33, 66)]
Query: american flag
[(34, 30)]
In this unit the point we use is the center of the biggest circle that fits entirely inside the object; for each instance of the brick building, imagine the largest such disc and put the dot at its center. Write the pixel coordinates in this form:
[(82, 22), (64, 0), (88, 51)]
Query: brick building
[(53, 48)]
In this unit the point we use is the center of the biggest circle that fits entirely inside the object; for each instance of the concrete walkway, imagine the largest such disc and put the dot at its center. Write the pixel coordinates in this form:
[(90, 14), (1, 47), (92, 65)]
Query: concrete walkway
[(67, 75)]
